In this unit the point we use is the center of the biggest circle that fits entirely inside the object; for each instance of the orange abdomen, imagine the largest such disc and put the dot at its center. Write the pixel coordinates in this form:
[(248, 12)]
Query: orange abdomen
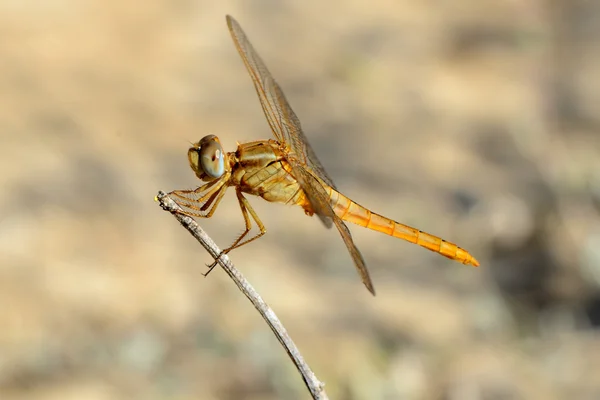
[(350, 211)]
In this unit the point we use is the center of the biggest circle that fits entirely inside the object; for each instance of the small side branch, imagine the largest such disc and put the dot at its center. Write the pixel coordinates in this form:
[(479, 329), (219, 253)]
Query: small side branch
[(315, 387)]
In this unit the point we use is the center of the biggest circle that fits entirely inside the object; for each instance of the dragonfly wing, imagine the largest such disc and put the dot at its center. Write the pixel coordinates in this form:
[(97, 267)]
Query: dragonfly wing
[(298, 140), (323, 207), (287, 130), (359, 262), (281, 118), (261, 77)]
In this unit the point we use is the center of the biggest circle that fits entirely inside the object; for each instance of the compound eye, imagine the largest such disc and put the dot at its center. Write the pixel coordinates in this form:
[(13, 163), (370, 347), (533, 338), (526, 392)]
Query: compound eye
[(212, 158)]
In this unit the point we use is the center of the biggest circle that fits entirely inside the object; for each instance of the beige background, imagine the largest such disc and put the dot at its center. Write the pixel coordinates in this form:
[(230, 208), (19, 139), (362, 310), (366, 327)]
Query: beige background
[(473, 120)]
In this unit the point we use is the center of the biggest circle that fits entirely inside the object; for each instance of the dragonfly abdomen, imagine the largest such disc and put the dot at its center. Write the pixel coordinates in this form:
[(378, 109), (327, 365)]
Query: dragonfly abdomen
[(351, 211)]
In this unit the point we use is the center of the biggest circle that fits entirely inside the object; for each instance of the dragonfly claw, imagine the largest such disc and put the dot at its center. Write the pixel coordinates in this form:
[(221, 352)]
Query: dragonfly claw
[(213, 265), (210, 268)]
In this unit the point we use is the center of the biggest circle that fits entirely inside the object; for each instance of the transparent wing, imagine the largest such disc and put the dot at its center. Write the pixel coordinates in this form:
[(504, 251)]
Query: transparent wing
[(286, 127), (320, 196), (281, 118)]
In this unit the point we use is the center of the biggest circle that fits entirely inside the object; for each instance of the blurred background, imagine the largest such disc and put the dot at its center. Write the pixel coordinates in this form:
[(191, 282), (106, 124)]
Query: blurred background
[(475, 120)]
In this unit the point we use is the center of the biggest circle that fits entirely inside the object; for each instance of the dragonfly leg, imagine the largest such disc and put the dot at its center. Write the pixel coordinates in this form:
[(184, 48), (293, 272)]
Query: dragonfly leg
[(247, 212), (188, 199), (215, 199)]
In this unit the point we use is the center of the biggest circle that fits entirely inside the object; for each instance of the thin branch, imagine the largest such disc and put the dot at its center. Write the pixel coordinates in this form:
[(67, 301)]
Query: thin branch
[(315, 387)]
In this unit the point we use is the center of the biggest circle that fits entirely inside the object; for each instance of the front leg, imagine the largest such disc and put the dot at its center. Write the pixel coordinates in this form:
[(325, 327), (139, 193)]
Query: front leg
[(247, 211), (195, 203)]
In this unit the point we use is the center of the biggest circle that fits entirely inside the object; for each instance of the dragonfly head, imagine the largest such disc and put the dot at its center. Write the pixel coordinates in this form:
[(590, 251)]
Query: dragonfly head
[(207, 158)]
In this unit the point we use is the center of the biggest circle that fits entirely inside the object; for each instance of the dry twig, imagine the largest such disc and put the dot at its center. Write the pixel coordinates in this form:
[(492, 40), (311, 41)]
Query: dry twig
[(315, 387)]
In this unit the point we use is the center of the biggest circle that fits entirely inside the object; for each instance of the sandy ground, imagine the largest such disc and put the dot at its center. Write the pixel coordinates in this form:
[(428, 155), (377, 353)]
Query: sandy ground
[(476, 120)]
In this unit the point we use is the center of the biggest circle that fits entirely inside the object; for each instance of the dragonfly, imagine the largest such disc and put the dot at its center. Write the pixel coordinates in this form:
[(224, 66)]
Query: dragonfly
[(285, 170)]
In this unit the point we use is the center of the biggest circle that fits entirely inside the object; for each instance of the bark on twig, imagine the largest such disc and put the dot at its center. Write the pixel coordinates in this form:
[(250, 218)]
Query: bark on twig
[(315, 387)]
